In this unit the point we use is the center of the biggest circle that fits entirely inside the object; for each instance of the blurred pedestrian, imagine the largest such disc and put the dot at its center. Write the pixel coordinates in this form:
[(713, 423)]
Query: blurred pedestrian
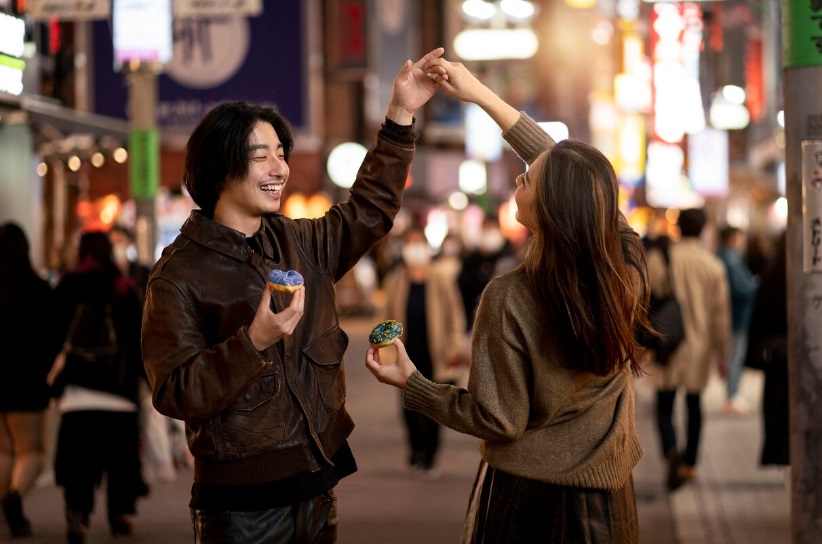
[(742, 285), (480, 265), (550, 393), (450, 256), (155, 428), (258, 377), (768, 351), (428, 303), (125, 255), (26, 301), (759, 252), (701, 287), (97, 377)]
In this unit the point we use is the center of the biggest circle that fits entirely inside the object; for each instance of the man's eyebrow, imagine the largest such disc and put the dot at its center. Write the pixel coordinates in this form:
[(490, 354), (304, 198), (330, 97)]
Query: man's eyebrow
[(255, 147)]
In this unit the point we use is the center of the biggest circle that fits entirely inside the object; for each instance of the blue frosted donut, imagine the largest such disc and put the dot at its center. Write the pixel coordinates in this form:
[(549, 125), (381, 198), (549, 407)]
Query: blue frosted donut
[(286, 282), (384, 333)]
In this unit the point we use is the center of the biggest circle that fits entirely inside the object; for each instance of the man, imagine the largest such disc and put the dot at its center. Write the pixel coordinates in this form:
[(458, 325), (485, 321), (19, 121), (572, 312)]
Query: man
[(256, 376), (701, 287), (743, 286)]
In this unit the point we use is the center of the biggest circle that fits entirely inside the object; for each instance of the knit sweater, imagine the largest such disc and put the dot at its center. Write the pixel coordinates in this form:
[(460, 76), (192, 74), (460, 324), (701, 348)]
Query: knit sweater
[(534, 417)]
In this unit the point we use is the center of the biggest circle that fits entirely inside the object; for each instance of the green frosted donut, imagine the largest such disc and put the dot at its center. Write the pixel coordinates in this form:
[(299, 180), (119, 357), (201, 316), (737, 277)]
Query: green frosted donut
[(384, 333)]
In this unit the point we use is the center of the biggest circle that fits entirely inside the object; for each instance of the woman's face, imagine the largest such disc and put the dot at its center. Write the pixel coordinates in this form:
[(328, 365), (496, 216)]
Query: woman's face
[(526, 193)]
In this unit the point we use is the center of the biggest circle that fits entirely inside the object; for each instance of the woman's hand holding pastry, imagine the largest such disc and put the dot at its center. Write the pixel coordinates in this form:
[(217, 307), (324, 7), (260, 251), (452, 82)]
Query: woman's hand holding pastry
[(396, 374)]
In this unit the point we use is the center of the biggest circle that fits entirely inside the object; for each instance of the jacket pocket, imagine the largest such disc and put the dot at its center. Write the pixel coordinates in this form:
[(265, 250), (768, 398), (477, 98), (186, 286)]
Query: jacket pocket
[(326, 355), (255, 420)]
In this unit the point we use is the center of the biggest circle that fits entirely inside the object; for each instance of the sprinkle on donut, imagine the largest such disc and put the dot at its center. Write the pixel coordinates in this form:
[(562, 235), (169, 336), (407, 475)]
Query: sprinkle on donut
[(384, 333)]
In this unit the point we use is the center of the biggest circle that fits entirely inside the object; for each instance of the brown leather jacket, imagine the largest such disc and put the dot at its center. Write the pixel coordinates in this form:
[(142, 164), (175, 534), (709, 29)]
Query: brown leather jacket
[(252, 416)]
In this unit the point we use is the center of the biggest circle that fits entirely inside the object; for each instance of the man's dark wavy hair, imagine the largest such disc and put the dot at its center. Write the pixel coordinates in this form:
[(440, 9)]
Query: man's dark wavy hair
[(217, 152)]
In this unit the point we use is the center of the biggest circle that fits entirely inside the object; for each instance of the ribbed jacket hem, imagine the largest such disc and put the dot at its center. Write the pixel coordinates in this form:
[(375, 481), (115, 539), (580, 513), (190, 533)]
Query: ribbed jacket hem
[(275, 465), (254, 470)]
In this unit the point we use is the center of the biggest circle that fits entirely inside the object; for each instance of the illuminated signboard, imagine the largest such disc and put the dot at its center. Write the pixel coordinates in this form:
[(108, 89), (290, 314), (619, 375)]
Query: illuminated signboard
[(142, 31), (12, 38)]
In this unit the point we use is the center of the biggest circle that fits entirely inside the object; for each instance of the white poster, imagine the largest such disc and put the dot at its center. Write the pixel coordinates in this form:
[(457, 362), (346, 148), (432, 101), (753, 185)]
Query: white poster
[(142, 31)]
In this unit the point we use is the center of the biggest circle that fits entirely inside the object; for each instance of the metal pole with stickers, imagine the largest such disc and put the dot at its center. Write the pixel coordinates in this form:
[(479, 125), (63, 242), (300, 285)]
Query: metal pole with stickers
[(802, 93), (142, 46)]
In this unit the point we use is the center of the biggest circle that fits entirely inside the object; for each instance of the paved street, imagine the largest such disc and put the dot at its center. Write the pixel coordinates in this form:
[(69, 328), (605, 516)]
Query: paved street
[(732, 501)]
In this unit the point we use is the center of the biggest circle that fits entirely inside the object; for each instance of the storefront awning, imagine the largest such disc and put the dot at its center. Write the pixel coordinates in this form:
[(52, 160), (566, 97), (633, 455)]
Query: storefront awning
[(63, 128)]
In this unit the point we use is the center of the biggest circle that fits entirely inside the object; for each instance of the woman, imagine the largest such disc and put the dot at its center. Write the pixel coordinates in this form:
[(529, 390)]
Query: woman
[(98, 396), (550, 393), (429, 304), (768, 350), (25, 298)]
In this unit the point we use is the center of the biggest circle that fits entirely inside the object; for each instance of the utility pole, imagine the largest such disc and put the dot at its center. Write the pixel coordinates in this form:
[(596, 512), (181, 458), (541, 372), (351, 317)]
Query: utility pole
[(802, 70), (144, 161)]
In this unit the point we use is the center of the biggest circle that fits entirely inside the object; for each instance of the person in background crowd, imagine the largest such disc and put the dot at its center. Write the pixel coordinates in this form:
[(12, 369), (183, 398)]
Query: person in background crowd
[(768, 351), (24, 393), (122, 240), (479, 266), (701, 287), (428, 303), (450, 257), (758, 252), (258, 377), (99, 433), (743, 286), (550, 393), (157, 455)]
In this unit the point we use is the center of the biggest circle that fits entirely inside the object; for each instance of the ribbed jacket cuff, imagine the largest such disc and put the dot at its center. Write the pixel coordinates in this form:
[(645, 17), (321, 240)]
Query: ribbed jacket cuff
[(420, 393), (400, 135), (527, 138)]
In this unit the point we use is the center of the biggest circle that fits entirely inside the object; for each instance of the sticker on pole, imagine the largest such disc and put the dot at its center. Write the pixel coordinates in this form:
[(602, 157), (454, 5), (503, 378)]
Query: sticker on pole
[(812, 206)]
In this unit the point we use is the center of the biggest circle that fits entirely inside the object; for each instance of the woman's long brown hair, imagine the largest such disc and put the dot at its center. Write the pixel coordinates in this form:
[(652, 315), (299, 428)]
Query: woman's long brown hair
[(585, 263)]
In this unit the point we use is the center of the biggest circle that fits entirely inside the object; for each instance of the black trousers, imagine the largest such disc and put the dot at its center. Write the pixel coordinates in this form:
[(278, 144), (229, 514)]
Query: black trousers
[(512, 509), (423, 439), (665, 424), (313, 521), (93, 443)]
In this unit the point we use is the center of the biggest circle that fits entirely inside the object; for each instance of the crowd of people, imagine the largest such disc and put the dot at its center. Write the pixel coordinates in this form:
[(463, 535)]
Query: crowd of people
[(534, 351)]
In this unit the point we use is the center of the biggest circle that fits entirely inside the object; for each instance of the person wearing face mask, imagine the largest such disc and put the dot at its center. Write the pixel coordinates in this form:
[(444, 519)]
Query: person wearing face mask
[(480, 265), (429, 305), (449, 258)]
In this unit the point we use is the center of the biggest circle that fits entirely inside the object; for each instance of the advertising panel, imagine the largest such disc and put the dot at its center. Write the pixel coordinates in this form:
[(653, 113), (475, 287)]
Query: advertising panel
[(258, 59)]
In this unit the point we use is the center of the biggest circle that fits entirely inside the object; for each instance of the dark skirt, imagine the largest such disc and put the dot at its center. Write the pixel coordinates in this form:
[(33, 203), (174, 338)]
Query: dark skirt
[(507, 508)]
